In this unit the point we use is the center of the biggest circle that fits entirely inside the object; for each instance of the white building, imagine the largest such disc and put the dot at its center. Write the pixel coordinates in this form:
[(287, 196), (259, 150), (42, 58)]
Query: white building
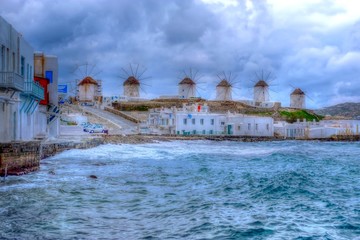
[(48, 122), (187, 88), (322, 129), (197, 120), (19, 94)]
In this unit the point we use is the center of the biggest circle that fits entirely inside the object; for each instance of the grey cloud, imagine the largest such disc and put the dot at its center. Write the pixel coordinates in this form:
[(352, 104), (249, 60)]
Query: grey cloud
[(169, 36)]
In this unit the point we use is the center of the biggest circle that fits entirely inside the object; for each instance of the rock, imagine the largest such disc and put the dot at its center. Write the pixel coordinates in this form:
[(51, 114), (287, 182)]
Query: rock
[(93, 176)]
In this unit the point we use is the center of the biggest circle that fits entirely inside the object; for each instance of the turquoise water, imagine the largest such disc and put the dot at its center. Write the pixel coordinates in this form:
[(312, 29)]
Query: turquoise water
[(189, 190)]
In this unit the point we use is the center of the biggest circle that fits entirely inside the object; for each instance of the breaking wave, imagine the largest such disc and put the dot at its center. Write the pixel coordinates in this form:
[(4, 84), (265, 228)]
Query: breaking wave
[(189, 190)]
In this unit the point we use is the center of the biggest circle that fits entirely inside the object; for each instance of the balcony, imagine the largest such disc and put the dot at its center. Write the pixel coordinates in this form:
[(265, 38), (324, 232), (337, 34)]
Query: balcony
[(34, 89), (11, 80)]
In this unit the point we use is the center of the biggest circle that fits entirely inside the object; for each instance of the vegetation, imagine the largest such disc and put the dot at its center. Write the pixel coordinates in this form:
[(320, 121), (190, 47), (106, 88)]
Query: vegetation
[(293, 116)]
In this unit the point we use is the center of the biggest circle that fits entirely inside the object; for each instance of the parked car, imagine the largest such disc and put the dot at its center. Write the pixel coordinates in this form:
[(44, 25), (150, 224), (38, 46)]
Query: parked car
[(95, 128)]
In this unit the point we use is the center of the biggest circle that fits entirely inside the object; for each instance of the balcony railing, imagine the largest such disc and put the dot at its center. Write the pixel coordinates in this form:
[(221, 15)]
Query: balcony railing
[(34, 89), (11, 80)]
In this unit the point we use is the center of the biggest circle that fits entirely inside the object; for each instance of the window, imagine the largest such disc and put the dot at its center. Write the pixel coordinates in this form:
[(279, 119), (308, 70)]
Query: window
[(256, 126), (211, 131), (212, 121), (193, 121), (22, 68), (27, 71), (2, 67), (249, 126), (267, 127), (202, 121), (222, 123), (239, 127), (13, 61), (203, 131), (49, 75), (185, 121), (194, 132)]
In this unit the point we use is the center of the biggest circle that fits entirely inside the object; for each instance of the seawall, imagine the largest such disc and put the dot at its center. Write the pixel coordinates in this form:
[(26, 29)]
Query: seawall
[(17, 158)]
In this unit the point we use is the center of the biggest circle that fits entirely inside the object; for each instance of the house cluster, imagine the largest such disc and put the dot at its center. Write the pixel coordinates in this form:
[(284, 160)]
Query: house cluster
[(197, 119), (28, 89)]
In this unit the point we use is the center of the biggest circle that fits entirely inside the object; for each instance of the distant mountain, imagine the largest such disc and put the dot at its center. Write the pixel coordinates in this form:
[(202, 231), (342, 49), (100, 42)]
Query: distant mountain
[(348, 110)]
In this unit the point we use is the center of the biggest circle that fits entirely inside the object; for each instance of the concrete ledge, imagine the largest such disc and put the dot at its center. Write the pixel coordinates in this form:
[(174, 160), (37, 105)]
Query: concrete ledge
[(122, 114)]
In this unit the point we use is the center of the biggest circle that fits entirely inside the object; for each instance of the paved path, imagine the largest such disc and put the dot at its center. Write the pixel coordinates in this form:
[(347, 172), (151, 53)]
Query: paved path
[(125, 126)]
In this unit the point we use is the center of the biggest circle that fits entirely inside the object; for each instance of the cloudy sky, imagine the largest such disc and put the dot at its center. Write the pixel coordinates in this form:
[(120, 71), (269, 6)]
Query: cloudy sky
[(311, 44)]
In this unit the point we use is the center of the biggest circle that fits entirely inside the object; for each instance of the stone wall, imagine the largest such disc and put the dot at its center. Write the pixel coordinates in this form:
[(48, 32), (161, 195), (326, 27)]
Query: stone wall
[(17, 158)]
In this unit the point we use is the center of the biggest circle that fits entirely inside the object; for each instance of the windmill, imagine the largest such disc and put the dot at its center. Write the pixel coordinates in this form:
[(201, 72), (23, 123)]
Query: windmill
[(87, 88), (225, 87), (133, 78), (188, 84), (261, 87), (297, 98)]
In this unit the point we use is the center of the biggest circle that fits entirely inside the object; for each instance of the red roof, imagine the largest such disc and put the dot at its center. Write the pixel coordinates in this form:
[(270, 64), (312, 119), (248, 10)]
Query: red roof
[(187, 81), (261, 83), (88, 80), (131, 81), (224, 83), (297, 91)]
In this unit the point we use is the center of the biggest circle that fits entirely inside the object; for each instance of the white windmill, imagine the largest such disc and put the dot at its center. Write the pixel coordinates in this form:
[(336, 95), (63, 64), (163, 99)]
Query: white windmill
[(188, 85), (133, 80), (225, 87), (261, 87)]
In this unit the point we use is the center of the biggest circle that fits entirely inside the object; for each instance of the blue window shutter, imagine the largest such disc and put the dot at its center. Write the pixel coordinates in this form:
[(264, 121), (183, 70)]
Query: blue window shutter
[(49, 75)]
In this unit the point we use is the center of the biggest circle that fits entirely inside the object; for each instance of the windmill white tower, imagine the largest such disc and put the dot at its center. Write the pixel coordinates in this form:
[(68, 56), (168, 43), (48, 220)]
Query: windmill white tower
[(87, 88), (261, 92), (224, 91), (225, 87), (187, 88), (261, 87), (131, 87), (297, 99), (133, 80)]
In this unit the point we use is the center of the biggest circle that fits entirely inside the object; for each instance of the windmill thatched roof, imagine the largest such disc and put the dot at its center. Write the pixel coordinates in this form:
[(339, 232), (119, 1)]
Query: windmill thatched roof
[(297, 91), (131, 81), (88, 80), (224, 83), (261, 83), (187, 80)]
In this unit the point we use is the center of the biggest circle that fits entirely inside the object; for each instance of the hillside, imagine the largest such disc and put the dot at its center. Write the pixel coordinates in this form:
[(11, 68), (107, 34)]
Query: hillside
[(284, 114), (347, 110)]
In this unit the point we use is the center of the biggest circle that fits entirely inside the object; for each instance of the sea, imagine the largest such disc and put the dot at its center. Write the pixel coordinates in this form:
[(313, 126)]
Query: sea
[(189, 190)]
